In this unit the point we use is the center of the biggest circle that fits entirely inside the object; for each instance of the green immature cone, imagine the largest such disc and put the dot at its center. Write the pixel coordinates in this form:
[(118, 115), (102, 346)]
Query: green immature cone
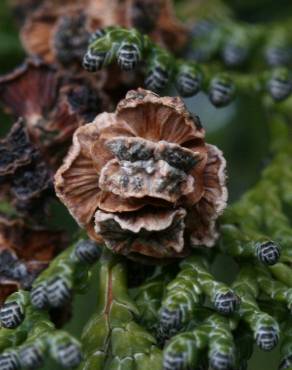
[(188, 79), (43, 339), (12, 313), (100, 51), (65, 349), (234, 54), (53, 287), (39, 297), (181, 353), (32, 352), (129, 55), (182, 297), (206, 41), (67, 273), (53, 292), (87, 251), (185, 350), (236, 243), (160, 67), (268, 252), (221, 90), (96, 57), (27, 338), (31, 357), (278, 49), (223, 298), (259, 208), (236, 47), (279, 84), (221, 344), (266, 332), (114, 42), (130, 47), (265, 327), (9, 361), (59, 291)]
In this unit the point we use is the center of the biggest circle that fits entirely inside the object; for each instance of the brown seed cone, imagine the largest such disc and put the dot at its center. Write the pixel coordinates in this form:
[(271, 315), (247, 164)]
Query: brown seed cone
[(24, 252), (53, 30), (25, 178), (52, 104), (22, 8), (143, 179)]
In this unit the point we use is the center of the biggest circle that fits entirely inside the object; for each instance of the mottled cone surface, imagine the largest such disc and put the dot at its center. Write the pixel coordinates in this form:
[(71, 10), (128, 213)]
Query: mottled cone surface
[(52, 104), (57, 32), (24, 252), (25, 178), (143, 179)]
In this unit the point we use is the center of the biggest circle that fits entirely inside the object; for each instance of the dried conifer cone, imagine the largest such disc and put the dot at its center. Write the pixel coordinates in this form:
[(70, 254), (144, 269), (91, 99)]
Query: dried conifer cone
[(25, 251), (143, 179), (52, 104)]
